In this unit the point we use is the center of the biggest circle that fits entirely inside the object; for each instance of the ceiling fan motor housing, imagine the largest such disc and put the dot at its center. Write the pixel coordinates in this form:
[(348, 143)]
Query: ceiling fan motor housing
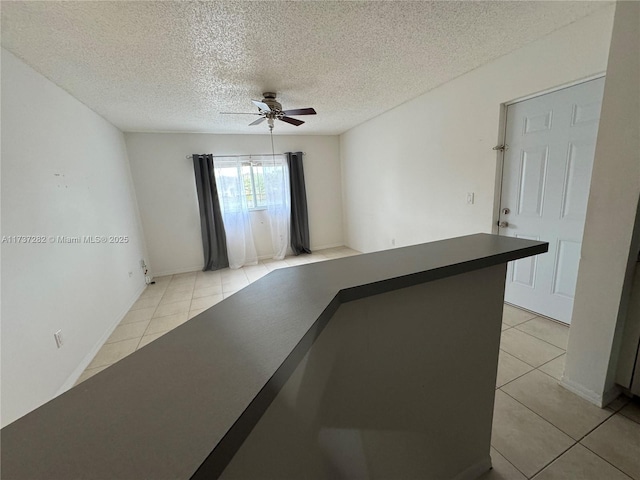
[(270, 99)]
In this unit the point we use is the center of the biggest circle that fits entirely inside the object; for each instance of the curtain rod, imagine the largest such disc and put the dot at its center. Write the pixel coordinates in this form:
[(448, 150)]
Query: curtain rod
[(189, 157)]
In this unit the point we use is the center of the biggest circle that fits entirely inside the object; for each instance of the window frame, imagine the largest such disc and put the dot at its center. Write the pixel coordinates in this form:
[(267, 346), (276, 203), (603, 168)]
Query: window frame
[(251, 161), (254, 193)]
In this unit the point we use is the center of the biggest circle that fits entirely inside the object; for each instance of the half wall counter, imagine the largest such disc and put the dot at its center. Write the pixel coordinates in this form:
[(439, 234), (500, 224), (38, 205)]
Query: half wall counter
[(380, 365)]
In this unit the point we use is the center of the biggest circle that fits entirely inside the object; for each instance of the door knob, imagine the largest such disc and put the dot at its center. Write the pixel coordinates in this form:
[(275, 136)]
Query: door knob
[(503, 224)]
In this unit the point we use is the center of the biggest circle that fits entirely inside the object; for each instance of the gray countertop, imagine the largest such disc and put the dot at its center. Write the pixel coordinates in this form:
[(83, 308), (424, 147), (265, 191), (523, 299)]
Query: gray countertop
[(190, 398)]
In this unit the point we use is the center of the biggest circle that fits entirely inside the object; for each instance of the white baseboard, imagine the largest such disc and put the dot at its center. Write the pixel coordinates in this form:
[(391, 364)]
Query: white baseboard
[(324, 247), (313, 248), (598, 399), (195, 268), (474, 471), (75, 375)]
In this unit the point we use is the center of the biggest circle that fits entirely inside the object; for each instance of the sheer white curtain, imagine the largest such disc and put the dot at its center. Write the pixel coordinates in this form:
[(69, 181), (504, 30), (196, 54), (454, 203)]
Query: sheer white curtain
[(276, 182), (241, 248)]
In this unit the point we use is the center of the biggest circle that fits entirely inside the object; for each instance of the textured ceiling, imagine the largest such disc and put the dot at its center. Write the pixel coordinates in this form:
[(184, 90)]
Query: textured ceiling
[(174, 65)]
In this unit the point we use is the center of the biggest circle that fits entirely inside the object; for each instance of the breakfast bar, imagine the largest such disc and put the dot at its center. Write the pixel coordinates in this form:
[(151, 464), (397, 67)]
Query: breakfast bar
[(381, 365)]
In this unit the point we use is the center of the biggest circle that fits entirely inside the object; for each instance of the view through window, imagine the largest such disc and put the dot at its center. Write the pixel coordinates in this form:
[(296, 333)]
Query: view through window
[(256, 181)]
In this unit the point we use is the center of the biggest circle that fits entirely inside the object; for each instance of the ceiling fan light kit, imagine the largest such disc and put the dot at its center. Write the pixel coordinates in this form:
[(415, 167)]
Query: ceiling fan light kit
[(270, 109)]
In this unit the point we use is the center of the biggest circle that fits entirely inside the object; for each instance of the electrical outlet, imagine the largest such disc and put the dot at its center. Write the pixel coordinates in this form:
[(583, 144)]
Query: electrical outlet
[(393, 242), (470, 198), (130, 274), (58, 338)]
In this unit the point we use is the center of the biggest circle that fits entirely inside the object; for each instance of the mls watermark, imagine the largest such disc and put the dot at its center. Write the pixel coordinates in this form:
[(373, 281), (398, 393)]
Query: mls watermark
[(65, 239)]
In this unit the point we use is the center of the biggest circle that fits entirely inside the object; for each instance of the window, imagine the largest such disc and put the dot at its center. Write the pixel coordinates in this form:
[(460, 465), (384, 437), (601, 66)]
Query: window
[(250, 183), (253, 181), (256, 181)]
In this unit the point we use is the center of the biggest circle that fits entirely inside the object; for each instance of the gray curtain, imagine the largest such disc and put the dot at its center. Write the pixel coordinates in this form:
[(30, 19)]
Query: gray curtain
[(299, 217), (214, 242)]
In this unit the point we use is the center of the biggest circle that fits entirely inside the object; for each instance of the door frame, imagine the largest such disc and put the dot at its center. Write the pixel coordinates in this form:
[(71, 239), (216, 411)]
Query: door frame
[(502, 131)]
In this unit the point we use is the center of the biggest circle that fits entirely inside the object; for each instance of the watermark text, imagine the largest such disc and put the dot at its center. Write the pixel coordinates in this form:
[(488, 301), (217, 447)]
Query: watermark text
[(64, 239)]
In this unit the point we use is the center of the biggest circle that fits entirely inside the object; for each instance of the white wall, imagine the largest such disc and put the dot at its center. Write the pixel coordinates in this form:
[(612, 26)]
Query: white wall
[(406, 173), (605, 265), (165, 186), (64, 172)]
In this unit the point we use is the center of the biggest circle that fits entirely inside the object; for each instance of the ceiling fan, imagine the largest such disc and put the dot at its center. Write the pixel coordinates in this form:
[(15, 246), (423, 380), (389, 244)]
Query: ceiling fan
[(270, 109)]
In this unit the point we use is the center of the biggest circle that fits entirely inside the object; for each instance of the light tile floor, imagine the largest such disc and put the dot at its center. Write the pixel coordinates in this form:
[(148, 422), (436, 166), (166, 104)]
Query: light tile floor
[(540, 430), (174, 299)]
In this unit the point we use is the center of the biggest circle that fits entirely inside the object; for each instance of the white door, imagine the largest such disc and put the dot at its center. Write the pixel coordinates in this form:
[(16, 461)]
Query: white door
[(545, 184)]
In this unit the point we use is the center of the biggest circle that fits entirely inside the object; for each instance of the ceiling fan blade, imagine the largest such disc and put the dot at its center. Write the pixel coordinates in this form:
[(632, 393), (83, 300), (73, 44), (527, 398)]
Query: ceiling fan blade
[(237, 113), (261, 105), (256, 122), (300, 111), (292, 121)]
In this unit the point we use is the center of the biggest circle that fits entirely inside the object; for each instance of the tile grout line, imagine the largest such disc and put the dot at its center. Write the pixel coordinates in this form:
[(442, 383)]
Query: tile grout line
[(541, 339), (579, 442), (545, 420), (554, 459), (550, 376), (602, 458), (523, 322), (171, 303), (193, 292), (575, 442), (555, 426), (119, 324), (545, 363), (533, 336), (532, 366), (508, 461), (154, 312), (613, 414), (538, 415), (513, 380), (551, 320)]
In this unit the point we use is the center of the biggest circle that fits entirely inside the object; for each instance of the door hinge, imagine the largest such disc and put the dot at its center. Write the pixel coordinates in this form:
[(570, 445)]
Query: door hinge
[(501, 148)]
